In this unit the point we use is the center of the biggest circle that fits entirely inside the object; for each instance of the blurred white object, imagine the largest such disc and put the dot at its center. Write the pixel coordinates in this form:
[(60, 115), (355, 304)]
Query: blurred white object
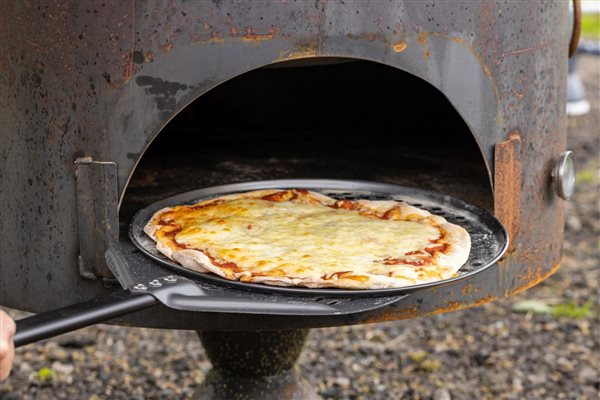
[(590, 6), (577, 104)]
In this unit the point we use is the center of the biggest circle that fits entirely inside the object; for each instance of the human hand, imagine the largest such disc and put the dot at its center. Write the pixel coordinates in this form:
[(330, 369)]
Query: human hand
[(7, 347)]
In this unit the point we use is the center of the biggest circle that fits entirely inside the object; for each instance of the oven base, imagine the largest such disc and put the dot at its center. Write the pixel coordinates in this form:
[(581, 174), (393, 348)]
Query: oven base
[(254, 366)]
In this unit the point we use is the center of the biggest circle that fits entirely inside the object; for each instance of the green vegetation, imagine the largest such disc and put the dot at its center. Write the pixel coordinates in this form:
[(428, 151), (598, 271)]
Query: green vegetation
[(590, 26), (585, 176), (562, 310), (45, 374), (572, 311)]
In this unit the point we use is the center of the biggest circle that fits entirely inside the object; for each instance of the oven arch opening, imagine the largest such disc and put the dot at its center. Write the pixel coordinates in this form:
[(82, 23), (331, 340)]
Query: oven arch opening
[(314, 118)]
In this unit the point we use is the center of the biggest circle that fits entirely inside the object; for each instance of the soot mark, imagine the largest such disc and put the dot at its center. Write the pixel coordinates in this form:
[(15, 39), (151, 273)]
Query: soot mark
[(158, 86), (163, 91)]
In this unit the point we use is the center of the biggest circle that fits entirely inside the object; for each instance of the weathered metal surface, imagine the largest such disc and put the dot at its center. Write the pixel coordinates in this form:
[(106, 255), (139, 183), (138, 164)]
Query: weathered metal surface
[(507, 186), (101, 79), (254, 366), (97, 215), (576, 29)]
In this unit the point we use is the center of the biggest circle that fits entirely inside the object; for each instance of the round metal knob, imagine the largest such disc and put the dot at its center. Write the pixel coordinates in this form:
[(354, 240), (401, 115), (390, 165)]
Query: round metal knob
[(563, 176)]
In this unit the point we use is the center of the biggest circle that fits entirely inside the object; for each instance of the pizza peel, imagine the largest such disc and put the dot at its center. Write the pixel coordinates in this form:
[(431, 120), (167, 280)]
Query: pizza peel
[(146, 284), (489, 239), (148, 278)]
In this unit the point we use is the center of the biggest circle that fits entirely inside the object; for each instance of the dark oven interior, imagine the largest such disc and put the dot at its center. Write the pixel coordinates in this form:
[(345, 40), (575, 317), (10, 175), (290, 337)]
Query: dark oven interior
[(334, 118)]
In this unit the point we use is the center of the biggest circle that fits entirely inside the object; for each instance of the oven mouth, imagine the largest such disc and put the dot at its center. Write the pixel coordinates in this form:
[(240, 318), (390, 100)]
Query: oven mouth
[(352, 120)]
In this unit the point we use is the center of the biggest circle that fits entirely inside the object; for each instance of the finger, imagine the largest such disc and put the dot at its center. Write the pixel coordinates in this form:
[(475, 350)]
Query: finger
[(4, 347), (7, 331), (11, 327), (6, 362), (7, 325)]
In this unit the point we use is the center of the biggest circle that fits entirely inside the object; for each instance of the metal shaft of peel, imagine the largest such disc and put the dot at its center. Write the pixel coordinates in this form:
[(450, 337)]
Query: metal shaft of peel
[(70, 318)]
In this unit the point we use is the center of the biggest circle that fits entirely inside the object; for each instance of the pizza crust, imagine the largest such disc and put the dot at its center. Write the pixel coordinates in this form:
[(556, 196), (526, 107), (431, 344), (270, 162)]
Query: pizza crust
[(456, 243)]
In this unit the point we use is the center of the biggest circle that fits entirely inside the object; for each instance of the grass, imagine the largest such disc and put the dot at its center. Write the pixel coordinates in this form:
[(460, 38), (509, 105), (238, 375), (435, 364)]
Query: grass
[(572, 311), (585, 176), (567, 310), (590, 26), (45, 374)]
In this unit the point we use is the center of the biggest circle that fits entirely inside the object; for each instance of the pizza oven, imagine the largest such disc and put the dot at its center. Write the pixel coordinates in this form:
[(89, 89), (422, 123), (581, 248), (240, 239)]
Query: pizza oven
[(113, 106)]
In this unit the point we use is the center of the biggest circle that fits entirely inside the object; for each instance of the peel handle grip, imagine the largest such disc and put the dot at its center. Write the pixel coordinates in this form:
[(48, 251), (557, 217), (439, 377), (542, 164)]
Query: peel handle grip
[(56, 322)]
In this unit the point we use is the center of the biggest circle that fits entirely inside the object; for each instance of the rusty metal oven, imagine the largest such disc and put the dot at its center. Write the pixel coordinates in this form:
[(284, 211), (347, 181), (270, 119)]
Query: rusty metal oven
[(110, 107)]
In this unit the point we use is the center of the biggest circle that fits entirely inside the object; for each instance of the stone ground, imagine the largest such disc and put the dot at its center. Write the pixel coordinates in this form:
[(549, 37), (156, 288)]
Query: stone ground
[(490, 352)]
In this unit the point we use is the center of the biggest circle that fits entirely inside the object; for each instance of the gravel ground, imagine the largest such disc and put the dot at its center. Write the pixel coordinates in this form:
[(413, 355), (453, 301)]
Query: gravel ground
[(490, 352)]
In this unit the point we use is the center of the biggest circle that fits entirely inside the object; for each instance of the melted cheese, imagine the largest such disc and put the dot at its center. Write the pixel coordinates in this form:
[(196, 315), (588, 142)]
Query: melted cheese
[(301, 240)]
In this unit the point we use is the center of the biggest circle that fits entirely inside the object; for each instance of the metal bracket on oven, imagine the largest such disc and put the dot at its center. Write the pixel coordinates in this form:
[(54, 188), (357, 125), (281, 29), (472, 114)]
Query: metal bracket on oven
[(507, 186), (98, 215)]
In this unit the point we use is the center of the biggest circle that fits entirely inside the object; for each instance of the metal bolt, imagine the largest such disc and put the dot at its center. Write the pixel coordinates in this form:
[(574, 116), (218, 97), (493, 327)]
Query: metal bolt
[(170, 279), (140, 286), (155, 283), (563, 176)]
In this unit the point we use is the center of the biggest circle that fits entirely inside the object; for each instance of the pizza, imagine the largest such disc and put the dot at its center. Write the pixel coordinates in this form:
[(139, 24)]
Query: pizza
[(295, 237)]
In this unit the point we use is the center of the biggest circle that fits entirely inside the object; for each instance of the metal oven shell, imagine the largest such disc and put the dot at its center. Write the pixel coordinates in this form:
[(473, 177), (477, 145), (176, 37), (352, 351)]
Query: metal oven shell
[(97, 82)]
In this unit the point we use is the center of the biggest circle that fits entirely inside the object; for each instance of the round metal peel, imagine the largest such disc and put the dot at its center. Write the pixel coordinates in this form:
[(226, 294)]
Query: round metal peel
[(489, 239)]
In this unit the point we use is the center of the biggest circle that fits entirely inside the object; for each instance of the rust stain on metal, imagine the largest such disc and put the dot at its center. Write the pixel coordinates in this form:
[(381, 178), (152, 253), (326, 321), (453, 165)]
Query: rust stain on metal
[(167, 47), (130, 69), (215, 39), (455, 39), (486, 299), (250, 36), (469, 289), (409, 312), (487, 71), (392, 314), (533, 279), (422, 40), (149, 57), (126, 57), (366, 36), (292, 55), (507, 185), (257, 38), (453, 305), (128, 72), (399, 47), (457, 305), (522, 51)]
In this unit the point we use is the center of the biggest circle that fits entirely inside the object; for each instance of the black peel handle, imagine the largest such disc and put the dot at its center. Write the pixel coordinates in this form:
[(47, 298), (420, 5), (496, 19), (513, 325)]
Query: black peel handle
[(52, 323)]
